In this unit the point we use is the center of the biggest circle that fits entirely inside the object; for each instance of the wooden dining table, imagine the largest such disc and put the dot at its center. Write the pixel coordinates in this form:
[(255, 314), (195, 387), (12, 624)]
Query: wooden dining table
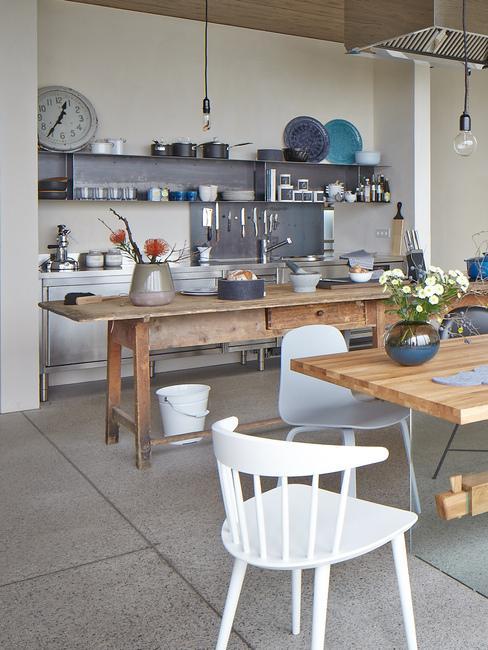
[(372, 372)]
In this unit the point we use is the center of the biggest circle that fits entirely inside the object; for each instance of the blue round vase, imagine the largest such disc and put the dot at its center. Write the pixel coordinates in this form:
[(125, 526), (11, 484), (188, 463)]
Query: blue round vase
[(411, 343)]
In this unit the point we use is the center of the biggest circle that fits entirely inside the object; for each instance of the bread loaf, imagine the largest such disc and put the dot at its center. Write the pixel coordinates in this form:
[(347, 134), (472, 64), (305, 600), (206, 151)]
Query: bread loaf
[(240, 274)]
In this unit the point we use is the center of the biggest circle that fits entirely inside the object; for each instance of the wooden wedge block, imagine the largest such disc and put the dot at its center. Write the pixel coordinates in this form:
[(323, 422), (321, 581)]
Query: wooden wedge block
[(452, 505), (86, 300), (477, 484)]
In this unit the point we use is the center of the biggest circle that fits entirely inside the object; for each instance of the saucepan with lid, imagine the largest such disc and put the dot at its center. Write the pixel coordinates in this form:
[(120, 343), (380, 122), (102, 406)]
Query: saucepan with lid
[(216, 149)]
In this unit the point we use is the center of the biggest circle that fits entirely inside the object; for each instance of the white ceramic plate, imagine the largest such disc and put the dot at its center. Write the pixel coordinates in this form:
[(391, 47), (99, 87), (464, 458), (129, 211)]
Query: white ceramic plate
[(200, 292)]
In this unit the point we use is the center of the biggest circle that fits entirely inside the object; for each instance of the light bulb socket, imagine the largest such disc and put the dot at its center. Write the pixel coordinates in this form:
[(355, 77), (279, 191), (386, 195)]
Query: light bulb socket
[(465, 122), (206, 106)]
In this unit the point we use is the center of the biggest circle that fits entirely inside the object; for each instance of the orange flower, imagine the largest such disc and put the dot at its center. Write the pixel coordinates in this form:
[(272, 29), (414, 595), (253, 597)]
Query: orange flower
[(118, 237), (155, 247)]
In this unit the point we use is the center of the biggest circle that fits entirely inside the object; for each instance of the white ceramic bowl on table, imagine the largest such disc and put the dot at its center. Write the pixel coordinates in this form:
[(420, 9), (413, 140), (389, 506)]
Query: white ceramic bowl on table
[(364, 276), (368, 157), (304, 282)]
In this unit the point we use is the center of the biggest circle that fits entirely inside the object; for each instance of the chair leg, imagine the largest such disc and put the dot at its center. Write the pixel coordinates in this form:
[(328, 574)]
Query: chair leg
[(296, 600), (293, 432), (319, 614), (408, 452), (401, 567), (235, 586), (349, 439), (444, 453)]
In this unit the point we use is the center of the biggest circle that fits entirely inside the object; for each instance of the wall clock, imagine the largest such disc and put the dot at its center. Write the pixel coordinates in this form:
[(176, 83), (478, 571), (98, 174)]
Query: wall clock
[(66, 120)]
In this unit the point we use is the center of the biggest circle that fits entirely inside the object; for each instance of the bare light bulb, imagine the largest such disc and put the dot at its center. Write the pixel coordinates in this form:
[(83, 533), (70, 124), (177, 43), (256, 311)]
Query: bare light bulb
[(465, 143), (206, 114)]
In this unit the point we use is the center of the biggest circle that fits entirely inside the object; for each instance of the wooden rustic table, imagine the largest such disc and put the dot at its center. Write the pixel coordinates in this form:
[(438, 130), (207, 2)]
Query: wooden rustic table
[(189, 321), (373, 373)]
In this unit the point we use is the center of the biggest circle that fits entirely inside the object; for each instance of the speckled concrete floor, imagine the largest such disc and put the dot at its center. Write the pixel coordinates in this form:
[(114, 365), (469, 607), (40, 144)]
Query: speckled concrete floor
[(96, 555)]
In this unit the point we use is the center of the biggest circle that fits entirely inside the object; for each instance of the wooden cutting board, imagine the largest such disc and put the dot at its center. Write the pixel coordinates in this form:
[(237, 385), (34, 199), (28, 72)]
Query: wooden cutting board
[(325, 284)]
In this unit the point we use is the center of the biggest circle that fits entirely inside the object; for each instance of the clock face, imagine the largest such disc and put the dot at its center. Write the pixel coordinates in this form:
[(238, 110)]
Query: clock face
[(66, 120)]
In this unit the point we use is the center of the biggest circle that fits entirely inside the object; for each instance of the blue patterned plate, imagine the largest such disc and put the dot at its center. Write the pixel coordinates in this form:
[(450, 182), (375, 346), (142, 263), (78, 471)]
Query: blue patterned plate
[(345, 140), (309, 134)]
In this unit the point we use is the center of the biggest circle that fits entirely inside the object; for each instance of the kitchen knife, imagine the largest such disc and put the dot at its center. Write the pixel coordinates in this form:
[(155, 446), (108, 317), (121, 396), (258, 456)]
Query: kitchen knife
[(229, 222), (208, 222), (255, 220), (217, 222), (243, 222), (416, 240), (265, 218)]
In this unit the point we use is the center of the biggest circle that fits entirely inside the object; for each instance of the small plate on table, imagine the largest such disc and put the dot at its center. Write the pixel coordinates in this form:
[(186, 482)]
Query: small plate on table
[(199, 292)]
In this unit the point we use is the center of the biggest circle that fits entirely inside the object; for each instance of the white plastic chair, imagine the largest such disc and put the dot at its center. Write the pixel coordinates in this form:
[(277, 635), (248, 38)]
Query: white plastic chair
[(310, 404), (294, 526)]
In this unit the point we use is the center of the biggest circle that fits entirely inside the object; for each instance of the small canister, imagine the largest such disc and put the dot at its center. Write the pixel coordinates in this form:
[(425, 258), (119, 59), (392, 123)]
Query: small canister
[(302, 183), (113, 258), (285, 193), (154, 194), (94, 260), (285, 179)]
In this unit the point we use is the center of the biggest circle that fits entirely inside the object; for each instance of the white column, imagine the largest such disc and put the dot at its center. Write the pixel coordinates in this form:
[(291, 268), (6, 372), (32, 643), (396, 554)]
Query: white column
[(19, 337), (422, 146)]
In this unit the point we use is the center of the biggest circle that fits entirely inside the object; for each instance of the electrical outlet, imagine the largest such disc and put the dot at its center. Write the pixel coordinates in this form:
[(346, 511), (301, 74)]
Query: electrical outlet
[(383, 233)]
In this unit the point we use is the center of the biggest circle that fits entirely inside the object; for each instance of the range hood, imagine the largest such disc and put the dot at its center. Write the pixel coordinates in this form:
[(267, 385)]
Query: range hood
[(420, 29)]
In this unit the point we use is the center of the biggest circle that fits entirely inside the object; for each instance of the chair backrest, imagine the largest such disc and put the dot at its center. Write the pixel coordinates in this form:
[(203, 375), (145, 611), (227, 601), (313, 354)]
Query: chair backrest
[(473, 320), (259, 457), (299, 393)]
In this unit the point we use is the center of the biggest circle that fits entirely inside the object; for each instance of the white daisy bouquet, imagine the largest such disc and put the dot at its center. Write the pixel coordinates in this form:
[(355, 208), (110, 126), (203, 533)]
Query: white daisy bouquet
[(426, 298)]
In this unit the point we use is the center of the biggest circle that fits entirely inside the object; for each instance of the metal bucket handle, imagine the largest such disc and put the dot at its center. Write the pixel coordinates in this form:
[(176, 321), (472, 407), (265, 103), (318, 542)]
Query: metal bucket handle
[(191, 415)]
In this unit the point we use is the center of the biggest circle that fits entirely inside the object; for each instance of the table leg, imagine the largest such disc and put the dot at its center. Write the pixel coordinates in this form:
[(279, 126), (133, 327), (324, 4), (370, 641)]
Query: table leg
[(114, 355), (379, 330), (142, 395)]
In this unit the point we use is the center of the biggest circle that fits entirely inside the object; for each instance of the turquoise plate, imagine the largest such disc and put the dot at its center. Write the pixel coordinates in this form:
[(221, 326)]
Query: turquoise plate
[(344, 140)]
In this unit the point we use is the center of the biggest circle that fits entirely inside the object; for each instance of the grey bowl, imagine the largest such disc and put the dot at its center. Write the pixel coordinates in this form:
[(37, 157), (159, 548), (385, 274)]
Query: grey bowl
[(240, 289)]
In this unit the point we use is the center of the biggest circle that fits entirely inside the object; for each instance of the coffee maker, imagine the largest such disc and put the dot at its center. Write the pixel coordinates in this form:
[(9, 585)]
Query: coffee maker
[(59, 260)]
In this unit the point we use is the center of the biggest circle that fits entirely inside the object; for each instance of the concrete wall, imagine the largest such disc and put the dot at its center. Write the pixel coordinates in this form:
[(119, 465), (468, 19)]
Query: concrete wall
[(19, 370), (144, 73), (458, 184)]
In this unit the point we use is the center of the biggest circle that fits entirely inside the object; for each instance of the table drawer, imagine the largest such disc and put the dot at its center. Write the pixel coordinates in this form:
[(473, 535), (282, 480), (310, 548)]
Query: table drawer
[(344, 315)]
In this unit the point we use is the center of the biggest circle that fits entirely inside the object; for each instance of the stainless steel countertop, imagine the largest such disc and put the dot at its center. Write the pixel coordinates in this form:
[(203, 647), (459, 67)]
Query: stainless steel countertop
[(213, 268)]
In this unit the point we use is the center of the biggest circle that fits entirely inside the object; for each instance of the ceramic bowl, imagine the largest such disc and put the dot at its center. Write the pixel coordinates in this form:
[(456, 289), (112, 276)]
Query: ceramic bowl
[(361, 277), (304, 282), (350, 197), (368, 157), (207, 192)]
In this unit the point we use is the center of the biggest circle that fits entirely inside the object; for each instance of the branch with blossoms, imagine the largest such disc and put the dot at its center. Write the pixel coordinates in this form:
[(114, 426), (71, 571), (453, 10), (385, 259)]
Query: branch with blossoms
[(157, 250), (422, 300)]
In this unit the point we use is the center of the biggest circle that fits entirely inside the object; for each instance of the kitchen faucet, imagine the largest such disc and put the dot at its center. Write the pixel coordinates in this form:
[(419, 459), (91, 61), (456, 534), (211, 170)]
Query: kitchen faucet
[(265, 248)]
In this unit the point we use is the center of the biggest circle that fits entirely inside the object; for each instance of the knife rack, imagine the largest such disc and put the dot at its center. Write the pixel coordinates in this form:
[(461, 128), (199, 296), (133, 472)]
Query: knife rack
[(303, 223)]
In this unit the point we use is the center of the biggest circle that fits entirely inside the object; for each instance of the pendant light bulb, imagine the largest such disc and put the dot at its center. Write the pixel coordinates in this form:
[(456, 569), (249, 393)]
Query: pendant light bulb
[(465, 143), (206, 114)]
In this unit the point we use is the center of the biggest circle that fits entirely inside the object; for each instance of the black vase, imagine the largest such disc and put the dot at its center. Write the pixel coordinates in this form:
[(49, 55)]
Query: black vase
[(411, 343)]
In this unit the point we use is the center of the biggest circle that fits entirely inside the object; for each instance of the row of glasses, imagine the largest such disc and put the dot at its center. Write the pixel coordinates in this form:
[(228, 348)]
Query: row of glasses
[(103, 193)]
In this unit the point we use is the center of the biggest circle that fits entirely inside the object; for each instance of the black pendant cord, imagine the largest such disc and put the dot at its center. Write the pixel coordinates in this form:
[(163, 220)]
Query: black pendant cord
[(206, 49), (466, 70)]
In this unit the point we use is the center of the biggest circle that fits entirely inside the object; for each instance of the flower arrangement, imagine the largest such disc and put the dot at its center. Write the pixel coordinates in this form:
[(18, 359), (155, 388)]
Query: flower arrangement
[(156, 251), (426, 298)]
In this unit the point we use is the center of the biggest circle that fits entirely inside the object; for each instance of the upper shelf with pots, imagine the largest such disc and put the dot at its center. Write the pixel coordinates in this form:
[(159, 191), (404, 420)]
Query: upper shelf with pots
[(81, 176)]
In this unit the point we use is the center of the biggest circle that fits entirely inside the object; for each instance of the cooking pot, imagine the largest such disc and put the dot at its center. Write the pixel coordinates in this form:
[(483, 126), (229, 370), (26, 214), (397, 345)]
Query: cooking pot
[(161, 149), (185, 149), (217, 149), (102, 146), (477, 267)]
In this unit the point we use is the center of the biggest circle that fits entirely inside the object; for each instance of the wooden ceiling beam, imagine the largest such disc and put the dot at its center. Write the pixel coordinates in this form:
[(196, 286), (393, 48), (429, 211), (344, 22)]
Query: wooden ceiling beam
[(319, 19)]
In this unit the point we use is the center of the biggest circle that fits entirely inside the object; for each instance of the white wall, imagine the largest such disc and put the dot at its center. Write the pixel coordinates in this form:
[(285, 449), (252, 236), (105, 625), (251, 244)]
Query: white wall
[(19, 372), (144, 73), (459, 185)]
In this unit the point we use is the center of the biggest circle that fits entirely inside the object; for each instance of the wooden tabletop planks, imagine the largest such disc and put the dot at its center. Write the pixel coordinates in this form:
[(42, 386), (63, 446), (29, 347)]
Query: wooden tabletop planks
[(374, 373), (120, 307)]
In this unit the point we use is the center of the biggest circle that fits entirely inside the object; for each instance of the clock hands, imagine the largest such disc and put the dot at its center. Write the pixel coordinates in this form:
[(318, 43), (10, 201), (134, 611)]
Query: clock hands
[(59, 120)]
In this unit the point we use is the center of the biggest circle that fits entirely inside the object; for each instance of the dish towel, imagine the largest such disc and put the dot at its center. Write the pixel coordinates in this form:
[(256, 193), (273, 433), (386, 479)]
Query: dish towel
[(476, 377), (359, 258)]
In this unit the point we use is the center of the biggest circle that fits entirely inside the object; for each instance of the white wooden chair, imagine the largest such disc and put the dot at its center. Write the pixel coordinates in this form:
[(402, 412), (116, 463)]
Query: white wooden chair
[(294, 526), (310, 404)]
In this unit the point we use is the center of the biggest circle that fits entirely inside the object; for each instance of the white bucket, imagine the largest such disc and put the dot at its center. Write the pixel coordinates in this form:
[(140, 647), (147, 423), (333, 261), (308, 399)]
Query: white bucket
[(183, 409)]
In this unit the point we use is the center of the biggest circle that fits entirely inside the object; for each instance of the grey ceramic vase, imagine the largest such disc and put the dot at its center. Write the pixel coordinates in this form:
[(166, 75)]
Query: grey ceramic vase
[(152, 285)]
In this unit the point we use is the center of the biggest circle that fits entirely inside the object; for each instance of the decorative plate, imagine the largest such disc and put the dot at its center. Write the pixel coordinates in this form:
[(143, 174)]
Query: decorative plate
[(345, 140), (200, 292), (309, 134)]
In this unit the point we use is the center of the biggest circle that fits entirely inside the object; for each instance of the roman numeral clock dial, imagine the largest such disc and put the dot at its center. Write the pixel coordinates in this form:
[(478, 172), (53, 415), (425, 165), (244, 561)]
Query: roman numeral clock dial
[(66, 120)]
